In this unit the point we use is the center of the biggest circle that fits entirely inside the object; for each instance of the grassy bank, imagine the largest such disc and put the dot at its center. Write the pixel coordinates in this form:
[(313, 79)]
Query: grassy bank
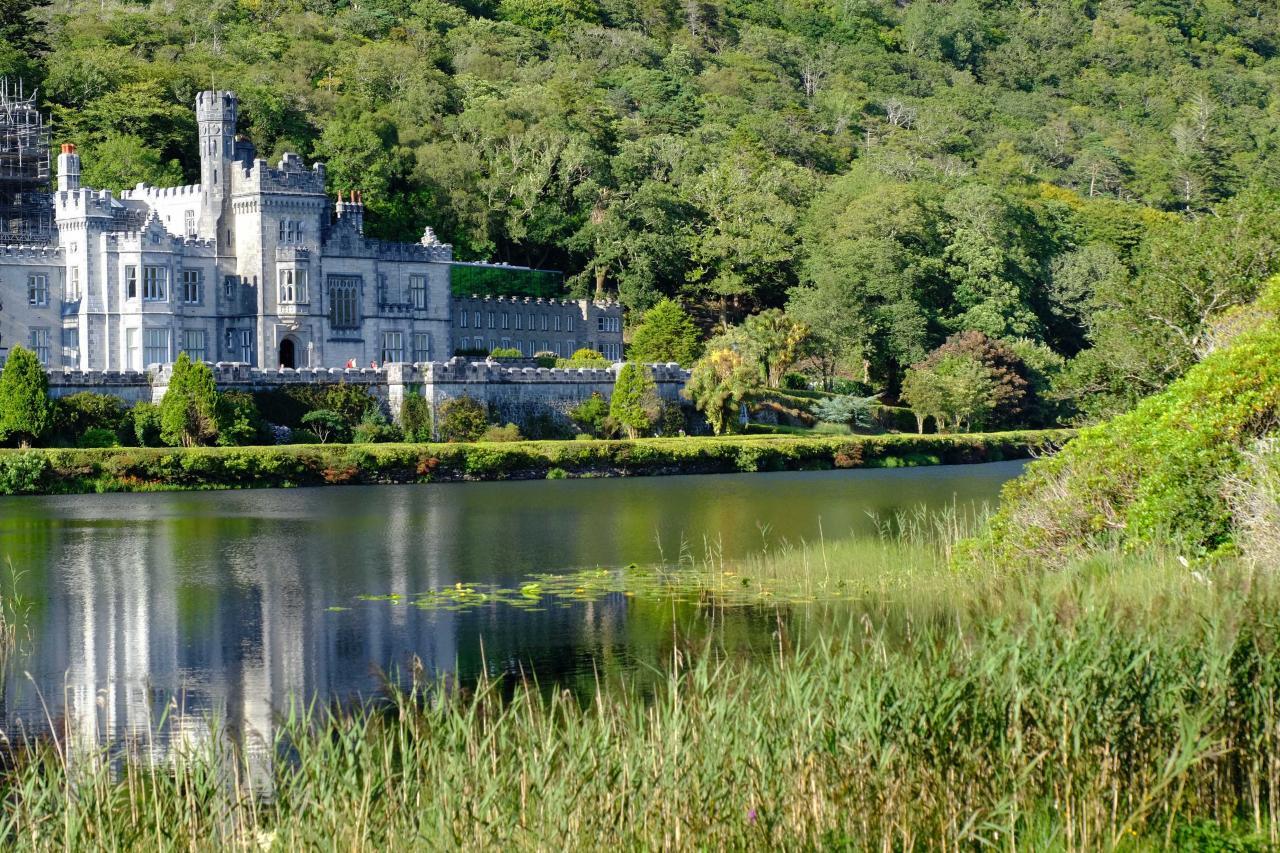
[(144, 469), (1121, 703)]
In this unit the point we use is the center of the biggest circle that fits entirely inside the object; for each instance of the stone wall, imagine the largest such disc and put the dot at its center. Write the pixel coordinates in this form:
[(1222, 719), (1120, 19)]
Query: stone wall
[(515, 394)]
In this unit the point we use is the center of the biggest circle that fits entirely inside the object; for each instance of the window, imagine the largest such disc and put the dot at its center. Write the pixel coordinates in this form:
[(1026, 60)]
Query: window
[(189, 222), (519, 322), (490, 320), (392, 347), (612, 351), (155, 282), (465, 343), (229, 288), (506, 343), (132, 357), (533, 322), (557, 323), (569, 348), (568, 323), (462, 318), (418, 292), (71, 337), (193, 344), (73, 283), (155, 346), (544, 322), (38, 290), (40, 345), (246, 346), (344, 302), (293, 286), (130, 282), (192, 287), (421, 347), (506, 320), (608, 324), (290, 231)]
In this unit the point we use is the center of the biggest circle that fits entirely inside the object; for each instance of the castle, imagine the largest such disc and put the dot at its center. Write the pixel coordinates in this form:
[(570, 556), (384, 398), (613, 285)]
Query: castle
[(255, 265)]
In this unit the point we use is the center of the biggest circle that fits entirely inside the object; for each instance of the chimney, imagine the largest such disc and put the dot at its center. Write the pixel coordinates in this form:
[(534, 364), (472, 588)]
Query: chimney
[(68, 168), (352, 210)]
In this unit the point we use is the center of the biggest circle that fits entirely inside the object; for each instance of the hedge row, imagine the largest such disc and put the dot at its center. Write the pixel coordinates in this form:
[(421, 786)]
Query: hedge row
[(63, 471)]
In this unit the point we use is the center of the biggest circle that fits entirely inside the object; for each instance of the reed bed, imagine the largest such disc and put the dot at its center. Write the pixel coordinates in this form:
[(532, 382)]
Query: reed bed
[(1129, 703)]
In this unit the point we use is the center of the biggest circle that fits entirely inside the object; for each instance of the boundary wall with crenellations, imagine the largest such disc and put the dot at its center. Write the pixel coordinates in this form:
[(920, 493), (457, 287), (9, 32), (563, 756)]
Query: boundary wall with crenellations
[(514, 394)]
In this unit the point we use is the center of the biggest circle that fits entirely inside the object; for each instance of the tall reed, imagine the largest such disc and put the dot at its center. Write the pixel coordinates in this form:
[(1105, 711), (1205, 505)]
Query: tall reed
[(1124, 705)]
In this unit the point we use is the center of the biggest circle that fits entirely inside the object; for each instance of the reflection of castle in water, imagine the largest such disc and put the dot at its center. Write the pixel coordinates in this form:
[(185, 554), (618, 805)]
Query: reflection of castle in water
[(138, 619), (230, 615)]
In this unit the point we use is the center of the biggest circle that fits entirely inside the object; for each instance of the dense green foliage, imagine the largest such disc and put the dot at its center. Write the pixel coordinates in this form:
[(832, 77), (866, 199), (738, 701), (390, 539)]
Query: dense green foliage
[(462, 419), (664, 334), (141, 469), (635, 405), (1158, 473), (415, 417), (1090, 177), (26, 412), (189, 410)]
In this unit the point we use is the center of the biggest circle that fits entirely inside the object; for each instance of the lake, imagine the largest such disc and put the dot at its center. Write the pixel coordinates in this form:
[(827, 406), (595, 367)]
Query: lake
[(229, 603)]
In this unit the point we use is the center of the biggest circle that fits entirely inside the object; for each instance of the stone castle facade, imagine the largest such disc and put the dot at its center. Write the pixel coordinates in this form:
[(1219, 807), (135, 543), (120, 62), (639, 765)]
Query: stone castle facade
[(255, 265)]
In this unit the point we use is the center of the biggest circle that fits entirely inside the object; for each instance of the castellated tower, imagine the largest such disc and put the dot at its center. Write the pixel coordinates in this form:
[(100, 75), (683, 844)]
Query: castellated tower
[(216, 116)]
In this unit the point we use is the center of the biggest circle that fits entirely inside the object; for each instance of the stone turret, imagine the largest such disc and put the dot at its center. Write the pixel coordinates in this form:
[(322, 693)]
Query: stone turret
[(216, 117)]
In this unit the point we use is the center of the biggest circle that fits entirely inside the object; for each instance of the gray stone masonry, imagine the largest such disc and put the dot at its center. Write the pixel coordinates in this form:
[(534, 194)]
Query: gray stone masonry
[(514, 394)]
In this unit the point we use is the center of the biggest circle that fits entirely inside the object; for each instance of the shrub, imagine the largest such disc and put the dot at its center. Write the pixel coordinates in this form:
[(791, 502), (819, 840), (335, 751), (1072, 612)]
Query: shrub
[(672, 421), (545, 359), (188, 412), (98, 437), (494, 433), (584, 358), (76, 414), (557, 474), (304, 436), (840, 385), (795, 382), (506, 352), (374, 429), (635, 404), (26, 413), (462, 419), (22, 473), (146, 424), (415, 417), (854, 412), (589, 415), (238, 420)]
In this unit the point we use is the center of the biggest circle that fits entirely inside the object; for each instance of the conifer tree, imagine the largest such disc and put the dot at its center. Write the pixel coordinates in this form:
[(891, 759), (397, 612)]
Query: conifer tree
[(26, 413), (635, 403), (666, 334), (188, 412)]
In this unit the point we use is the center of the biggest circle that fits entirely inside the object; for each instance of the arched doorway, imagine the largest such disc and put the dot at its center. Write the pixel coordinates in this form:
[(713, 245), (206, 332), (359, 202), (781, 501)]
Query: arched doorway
[(287, 358)]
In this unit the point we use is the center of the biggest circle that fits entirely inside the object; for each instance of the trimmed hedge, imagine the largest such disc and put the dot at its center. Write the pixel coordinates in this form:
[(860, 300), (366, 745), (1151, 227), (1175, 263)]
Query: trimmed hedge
[(125, 469)]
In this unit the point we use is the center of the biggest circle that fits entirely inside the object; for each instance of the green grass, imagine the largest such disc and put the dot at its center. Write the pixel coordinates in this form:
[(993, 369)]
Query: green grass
[(1121, 703), (151, 469)]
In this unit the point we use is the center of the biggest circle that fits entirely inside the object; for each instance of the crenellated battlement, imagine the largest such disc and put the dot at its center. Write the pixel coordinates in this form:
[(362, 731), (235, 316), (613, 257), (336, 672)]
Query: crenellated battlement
[(289, 177), (148, 193), (38, 254), (479, 301)]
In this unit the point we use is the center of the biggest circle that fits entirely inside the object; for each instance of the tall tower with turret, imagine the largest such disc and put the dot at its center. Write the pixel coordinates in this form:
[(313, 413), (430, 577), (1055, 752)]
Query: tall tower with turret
[(216, 116)]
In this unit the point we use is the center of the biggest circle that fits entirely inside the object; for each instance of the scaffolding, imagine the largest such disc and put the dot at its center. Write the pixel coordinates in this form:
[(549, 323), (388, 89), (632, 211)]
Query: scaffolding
[(26, 204)]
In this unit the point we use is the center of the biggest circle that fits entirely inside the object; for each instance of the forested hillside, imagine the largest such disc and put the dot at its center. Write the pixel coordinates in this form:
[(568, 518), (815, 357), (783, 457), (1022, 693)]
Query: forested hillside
[(1087, 180)]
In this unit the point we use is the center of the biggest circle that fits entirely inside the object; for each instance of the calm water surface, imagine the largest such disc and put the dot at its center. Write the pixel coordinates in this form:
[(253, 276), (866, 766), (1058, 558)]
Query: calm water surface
[(223, 599)]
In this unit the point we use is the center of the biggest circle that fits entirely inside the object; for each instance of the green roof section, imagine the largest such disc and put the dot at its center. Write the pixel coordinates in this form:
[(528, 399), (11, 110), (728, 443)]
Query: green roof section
[(502, 280)]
